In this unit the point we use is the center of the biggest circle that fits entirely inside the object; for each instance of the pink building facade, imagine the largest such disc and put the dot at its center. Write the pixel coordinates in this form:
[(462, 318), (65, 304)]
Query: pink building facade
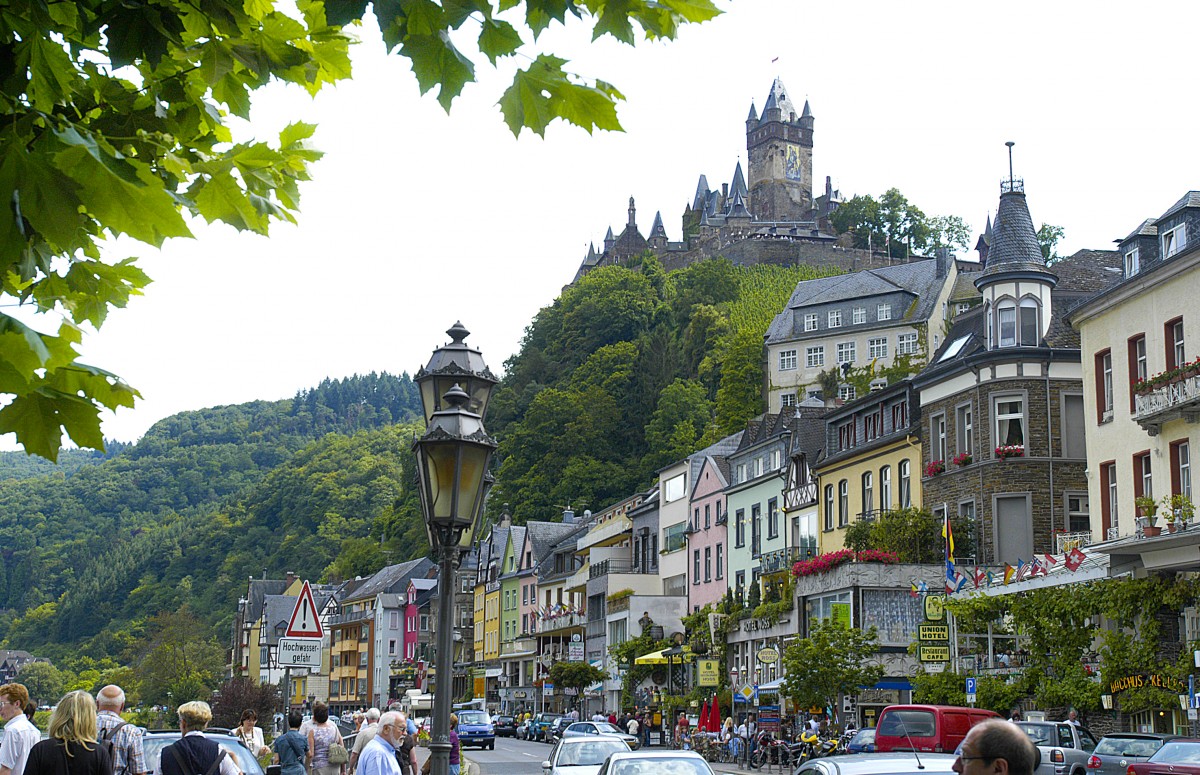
[(708, 557)]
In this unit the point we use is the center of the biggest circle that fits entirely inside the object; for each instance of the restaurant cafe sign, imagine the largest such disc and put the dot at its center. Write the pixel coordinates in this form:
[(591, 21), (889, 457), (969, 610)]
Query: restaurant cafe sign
[(1164, 682)]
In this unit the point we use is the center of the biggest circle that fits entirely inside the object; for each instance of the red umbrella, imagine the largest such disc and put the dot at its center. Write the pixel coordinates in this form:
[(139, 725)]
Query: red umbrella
[(714, 717), (702, 724)]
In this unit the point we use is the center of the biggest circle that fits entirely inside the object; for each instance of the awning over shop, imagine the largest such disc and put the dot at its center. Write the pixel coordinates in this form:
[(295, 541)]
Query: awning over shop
[(771, 686), (902, 685), (653, 658), (674, 655)]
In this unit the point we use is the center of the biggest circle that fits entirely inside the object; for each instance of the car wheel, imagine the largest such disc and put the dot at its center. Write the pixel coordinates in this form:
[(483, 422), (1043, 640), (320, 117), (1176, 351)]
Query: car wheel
[(492, 746)]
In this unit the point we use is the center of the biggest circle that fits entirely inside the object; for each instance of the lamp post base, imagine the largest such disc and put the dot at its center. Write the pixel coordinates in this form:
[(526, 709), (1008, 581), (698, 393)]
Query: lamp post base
[(439, 758)]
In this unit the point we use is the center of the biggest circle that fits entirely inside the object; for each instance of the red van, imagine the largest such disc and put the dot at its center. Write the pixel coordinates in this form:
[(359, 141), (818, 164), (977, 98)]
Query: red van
[(932, 728)]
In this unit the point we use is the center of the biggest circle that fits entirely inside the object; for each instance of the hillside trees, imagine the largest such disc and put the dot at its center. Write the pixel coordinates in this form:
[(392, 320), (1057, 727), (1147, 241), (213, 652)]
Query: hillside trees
[(895, 224), (630, 369), (119, 124)]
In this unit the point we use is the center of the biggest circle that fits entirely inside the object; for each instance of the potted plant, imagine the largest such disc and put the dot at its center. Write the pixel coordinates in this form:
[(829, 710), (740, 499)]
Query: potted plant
[(1005, 451), (1149, 509), (935, 467), (1179, 508), (962, 459)]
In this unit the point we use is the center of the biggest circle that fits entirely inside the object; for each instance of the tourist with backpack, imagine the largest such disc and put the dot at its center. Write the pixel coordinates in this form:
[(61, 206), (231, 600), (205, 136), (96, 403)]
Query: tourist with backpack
[(124, 740), (291, 748), (193, 753)]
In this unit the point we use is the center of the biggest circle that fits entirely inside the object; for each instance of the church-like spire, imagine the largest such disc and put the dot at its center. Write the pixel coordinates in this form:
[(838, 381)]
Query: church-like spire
[(807, 111), (778, 100), (738, 186), (738, 208), (701, 194), (753, 113), (658, 230)]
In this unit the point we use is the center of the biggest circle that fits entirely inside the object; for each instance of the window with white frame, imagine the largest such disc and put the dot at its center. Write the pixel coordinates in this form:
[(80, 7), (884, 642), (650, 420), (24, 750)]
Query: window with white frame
[(1030, 331), (1184, 454), (810, 322), (877, 347), (1177, 350), (720, 561), (843, 502), (1006, 320), (1106, 384), (937, 437), (1110, 472), (868, 492), (1140, 370), (883, 312), (1144, 470), (787, 399), (961, 307), (1132, 264), (675, 488), (829, 507), (775, 461), (906, 344), (823, 607), (859, 315), (1009, 412), (1078, 519), (787, 360), (846, 435), (885, 488), (845, 352), (904, 473), (425, 617), (846, 392), (814, 357), (899, 415), (964, 429), (1174, 240), (835, 318)]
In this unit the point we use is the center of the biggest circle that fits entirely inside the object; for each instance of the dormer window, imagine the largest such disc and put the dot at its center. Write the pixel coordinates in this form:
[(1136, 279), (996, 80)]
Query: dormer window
[(1174, 240), (1017, 324), (1132, 263), (835, 318)]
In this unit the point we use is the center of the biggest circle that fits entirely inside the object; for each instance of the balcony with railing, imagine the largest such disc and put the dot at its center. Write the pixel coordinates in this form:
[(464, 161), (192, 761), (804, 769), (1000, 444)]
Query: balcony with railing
[(1172, 401), (779, 560), (578, 579), (520, 647), (1065, 542), (624, 574), (561, 623), (607, 532), (351, 617), (595, 628)]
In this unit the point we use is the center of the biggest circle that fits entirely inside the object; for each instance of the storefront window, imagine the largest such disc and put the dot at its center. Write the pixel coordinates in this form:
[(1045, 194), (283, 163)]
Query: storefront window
[(894, 613)]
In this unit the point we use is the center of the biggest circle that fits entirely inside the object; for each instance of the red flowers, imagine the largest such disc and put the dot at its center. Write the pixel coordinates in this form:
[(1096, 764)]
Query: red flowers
[(830, 560)]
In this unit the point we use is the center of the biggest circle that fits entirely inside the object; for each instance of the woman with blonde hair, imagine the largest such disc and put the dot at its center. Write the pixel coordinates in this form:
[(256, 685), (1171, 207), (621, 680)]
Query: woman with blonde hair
[(71, 747)]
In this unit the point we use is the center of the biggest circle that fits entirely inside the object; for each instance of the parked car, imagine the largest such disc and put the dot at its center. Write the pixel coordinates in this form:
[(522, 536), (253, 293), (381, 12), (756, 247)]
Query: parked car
[(932, 728), (862, 742), (581, 755), (1065, 747), (523, 728), (540, 726), (475, 728), (1115, 752), (600, 728), (505, 726), (1180, 756), (555, 730), (153, 744), (647, 762), (895, 763)]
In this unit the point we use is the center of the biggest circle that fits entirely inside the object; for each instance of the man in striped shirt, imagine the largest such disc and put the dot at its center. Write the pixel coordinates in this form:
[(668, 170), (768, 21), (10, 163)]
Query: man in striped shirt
[(128, 758)]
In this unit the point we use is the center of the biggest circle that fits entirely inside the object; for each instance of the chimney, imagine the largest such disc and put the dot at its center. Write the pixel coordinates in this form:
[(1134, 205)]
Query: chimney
[(291, 577), (568, 516), (943, 258)]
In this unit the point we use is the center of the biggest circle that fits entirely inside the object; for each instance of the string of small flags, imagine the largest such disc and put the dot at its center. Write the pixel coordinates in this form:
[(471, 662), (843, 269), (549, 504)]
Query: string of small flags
[(958, 579)]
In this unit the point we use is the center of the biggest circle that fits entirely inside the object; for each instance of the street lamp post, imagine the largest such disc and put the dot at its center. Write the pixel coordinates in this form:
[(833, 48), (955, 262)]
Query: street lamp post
[(452, 463)]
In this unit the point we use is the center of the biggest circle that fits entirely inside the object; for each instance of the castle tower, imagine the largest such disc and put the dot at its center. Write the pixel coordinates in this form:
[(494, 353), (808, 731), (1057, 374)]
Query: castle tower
[(779, 146), (658, 233)]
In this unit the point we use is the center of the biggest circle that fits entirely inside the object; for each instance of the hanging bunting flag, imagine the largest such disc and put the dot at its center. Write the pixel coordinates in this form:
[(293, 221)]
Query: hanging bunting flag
[(991, 577), (922, 587), (1022, 569), (1009, 572), (980, 575), (913, 591), (1074, 559), (948, 536), (1050, 561)]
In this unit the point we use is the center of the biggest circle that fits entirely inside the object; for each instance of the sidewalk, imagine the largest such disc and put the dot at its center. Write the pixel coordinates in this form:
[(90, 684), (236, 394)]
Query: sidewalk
[(468, 767)]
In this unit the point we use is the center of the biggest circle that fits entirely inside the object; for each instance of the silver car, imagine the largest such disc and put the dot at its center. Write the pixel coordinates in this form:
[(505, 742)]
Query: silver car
[(656, 763), (893, 763), (582, 755), (1117, 751), (600, 728)]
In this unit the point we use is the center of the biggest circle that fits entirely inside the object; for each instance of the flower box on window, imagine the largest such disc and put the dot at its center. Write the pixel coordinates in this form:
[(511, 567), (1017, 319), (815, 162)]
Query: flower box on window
[(1010, 450), (935, 467), (962, 459)]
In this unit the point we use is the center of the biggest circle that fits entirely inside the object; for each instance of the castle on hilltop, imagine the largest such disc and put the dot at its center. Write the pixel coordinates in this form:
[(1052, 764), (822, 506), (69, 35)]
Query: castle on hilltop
[(768, 216)]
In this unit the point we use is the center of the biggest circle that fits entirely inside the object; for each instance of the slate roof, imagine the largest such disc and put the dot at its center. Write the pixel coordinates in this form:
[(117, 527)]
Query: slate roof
[(738, 186), (1190, 199), (277, 610), (701, 200), (391, 578), (808, 429), (964, 285), (1014, 245), (718, 451), (919, 278), (257, 593), (778, 98), (544, 536), (1148, 228), (657, 229)]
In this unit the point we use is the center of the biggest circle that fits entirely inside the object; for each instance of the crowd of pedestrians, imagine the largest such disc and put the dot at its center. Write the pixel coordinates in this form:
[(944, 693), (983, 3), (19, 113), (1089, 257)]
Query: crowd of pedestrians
[(88, 736)]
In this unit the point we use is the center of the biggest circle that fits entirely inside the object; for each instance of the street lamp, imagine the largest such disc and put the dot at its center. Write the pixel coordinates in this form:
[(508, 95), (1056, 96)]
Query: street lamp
[(452, 463)]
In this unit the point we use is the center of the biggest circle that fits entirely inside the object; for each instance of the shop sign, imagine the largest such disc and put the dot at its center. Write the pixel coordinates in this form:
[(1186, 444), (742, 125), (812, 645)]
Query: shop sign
[(841, 613), (933, 632), (768, 655), (879, 697), (480, 686), (930, 653), (1173, 685), (710, 672), (935, 608)]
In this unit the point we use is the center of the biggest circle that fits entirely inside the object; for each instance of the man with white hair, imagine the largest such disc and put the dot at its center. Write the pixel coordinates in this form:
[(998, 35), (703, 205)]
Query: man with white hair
[(379, 755), (369, 728), (127, 755)]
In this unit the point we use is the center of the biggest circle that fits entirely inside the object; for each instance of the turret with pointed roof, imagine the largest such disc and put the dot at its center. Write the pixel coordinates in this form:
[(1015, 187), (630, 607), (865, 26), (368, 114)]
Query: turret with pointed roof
[(658, 233), (779, 148)]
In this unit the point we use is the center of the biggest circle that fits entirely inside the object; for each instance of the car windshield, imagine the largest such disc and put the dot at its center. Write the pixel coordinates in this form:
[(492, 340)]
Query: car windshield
[(660, 765), (911, 723), (473, 717), (864, 736), (1128, 746), (588, 754), (153, 748), (607, 728), (1176, 752)]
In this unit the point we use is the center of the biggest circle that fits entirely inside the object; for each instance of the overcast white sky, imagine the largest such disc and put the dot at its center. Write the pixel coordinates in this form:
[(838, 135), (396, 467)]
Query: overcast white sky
[(415, 219)]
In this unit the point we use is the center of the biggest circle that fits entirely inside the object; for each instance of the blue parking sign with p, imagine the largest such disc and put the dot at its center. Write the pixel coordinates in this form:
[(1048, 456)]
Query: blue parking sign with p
[(970, 686)]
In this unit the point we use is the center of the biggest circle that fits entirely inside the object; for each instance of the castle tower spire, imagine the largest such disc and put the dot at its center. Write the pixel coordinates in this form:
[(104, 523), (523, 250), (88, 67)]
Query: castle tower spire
[(632, 214), (779, 165)]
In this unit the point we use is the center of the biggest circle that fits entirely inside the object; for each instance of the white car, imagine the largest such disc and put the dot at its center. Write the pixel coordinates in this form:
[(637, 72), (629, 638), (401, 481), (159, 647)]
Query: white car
[(656, 763), (582, 755)]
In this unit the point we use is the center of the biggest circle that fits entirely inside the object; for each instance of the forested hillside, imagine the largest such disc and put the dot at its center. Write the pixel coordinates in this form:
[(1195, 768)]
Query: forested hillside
[(628, 370), (204, 500)]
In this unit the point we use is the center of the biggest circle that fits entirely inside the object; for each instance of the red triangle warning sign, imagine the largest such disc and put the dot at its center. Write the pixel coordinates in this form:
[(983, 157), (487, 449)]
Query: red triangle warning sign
[(305, 621)]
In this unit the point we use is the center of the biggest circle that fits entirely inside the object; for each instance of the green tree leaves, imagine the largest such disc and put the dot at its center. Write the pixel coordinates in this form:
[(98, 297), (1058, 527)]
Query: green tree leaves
[(894, 224), (833, 660)]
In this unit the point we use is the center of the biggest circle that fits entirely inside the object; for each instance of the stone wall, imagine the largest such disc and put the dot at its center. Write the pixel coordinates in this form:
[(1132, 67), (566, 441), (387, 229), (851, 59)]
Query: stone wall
[(1043, 472)]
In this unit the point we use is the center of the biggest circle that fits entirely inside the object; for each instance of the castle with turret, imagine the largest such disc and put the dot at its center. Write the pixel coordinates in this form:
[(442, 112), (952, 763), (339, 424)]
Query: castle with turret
[(767, 215)]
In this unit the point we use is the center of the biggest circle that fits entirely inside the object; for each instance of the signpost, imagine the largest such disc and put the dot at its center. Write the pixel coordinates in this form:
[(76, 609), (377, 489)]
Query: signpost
[(971, 692), (303, 643), (933, 636)]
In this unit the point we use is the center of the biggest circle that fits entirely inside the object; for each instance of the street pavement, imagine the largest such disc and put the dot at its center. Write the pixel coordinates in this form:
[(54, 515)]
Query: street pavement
[(518, 757)]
